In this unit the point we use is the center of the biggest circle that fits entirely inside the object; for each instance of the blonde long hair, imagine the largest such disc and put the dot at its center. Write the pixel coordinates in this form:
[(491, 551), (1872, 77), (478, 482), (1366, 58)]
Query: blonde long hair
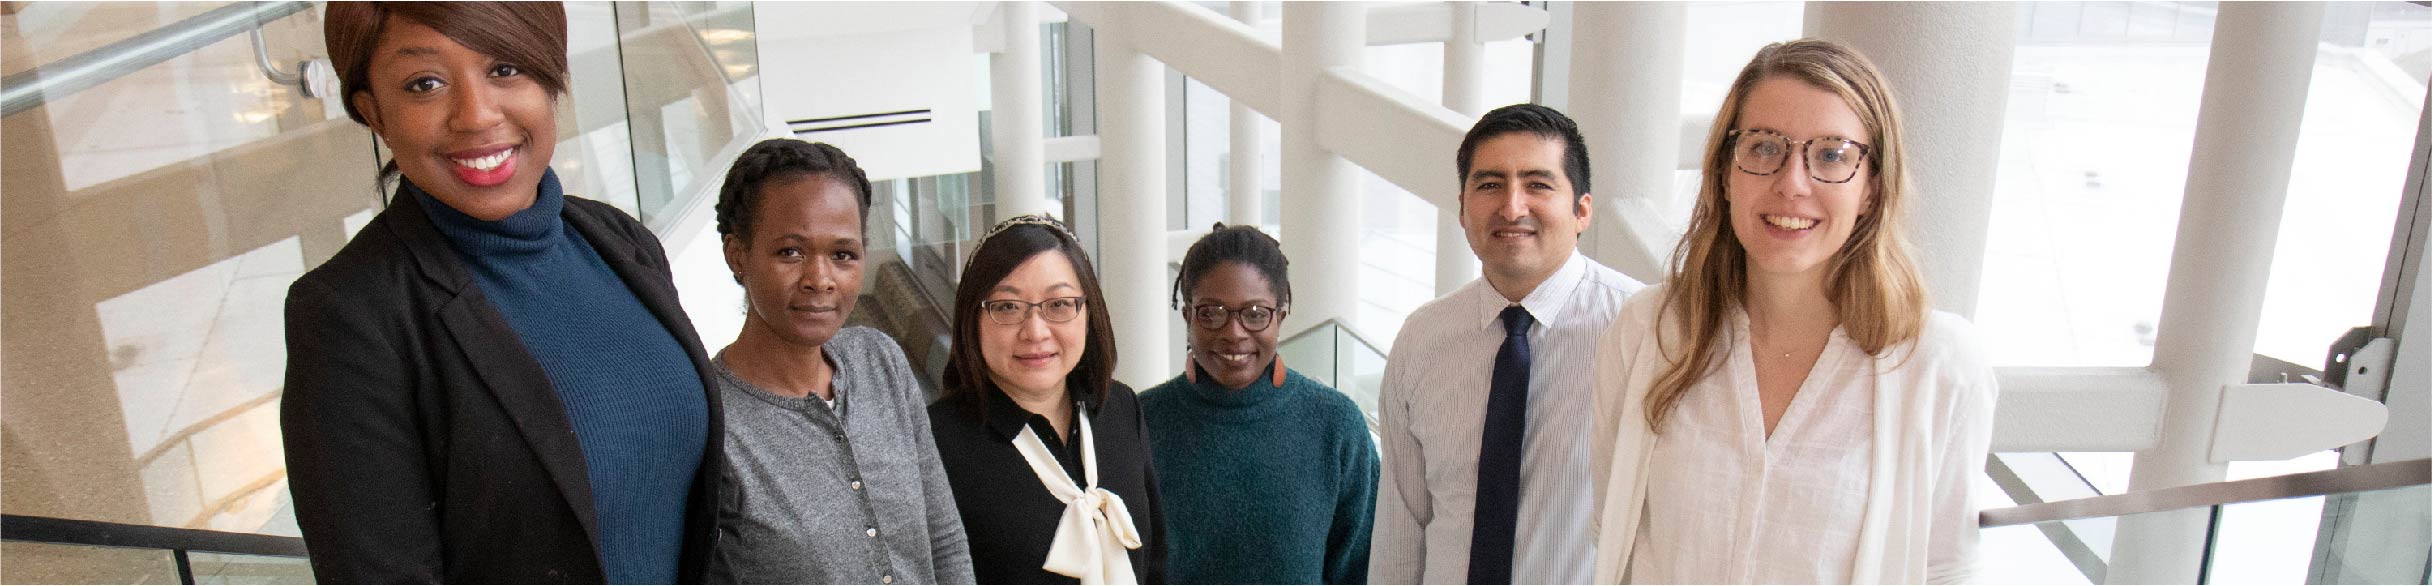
[(1872, 281)]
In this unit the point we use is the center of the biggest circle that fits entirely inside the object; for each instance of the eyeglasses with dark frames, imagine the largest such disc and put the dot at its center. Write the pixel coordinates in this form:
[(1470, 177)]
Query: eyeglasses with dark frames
[(1213, 317), (1830, 160), (1010, 312)]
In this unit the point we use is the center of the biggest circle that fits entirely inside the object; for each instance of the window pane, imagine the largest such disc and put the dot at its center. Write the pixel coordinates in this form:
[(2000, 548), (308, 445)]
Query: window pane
[(2087, 193), (2268, 542), (2344, 187)]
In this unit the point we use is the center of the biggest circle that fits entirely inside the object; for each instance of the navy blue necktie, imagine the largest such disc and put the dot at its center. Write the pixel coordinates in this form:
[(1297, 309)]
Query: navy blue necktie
[(1493, 522)]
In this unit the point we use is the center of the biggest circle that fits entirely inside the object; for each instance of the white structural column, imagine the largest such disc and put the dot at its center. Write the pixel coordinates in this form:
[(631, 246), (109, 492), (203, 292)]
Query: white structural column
[(1132, 207), (2256, 81), (1465, 94), (1321, 200), (1949, 64), (1016, 120), (1244, 198), (1626, 95)]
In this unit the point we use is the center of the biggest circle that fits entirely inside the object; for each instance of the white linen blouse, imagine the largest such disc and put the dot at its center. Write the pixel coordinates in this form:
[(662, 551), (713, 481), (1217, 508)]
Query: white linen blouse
[(1865, 480)]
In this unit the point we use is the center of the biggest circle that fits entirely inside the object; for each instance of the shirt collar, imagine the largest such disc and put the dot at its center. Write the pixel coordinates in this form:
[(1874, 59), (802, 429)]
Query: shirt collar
[(1006, 418), (1545, 303)]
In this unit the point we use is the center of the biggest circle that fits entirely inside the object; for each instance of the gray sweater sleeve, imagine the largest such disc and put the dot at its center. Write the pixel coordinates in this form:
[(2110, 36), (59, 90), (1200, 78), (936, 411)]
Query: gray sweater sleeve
[(951, 550)]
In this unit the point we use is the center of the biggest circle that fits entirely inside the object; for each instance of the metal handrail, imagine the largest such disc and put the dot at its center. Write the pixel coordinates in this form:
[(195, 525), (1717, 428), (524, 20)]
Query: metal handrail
[(80, 72), (176, 540), (1339, 324), (2349, 479)]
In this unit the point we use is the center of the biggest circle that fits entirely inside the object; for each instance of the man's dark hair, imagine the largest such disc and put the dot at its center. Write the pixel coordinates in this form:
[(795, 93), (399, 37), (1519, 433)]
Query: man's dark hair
[(1544, 122), (781, 159), (1243, 244)]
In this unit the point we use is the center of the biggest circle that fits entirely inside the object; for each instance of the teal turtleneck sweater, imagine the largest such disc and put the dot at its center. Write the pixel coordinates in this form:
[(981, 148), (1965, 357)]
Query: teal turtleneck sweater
[(629, 388), (1264, 484)]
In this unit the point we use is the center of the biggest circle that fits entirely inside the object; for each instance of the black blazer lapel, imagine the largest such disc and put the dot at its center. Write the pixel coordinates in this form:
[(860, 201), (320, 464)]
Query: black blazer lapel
[(506, 368)]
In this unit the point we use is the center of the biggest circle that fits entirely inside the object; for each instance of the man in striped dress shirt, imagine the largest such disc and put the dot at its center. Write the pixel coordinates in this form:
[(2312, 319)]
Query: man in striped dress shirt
[(1484, 413)]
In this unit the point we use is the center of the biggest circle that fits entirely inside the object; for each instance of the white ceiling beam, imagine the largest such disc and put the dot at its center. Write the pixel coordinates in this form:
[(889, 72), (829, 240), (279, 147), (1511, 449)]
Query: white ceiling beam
[(1225, 54), (1405, 139), (1400, 24), (2085, 409)]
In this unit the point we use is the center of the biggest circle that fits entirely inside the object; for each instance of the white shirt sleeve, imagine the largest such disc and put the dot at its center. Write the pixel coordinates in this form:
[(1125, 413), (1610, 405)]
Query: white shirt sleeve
[(1608, 389), (1968, 433), (1398, 542)]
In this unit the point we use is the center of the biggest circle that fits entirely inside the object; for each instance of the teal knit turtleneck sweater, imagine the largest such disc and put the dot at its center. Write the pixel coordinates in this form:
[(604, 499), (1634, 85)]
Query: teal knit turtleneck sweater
[(1264, 484), (629, 387)]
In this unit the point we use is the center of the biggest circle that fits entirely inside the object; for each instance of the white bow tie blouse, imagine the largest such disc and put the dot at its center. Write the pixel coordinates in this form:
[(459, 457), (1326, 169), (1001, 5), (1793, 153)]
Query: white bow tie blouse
[(1096, 528)]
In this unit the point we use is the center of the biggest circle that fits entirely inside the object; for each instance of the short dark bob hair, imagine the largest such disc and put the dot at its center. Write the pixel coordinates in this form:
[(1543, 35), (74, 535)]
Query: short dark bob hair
[(967, 381)]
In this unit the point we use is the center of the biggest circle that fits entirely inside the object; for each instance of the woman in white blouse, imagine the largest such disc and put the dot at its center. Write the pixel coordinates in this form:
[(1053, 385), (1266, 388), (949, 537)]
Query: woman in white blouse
[(1786, 407)]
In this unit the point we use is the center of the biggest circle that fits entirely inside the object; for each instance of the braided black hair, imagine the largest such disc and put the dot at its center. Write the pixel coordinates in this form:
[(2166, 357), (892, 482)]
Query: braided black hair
[(781, 159), (1243, 244)]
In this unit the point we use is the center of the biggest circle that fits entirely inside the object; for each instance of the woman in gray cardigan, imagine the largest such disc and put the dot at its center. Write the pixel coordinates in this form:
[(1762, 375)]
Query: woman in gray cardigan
[(833, 477)]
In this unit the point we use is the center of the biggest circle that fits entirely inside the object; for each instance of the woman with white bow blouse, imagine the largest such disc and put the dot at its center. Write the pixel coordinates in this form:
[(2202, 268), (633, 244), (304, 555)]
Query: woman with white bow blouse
[(1047, 454)]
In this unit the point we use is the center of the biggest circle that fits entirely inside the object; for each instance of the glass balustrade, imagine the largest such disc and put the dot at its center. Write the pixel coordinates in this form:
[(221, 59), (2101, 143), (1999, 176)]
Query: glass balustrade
[(2355, 525), (55, 563), (154, 220), (1339, 357), (153, 223)]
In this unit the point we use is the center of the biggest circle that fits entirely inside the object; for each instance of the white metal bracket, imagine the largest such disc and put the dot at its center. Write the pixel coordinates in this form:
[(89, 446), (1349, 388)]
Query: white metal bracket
[(2368, 376), (1432, 22), (2287, 420)]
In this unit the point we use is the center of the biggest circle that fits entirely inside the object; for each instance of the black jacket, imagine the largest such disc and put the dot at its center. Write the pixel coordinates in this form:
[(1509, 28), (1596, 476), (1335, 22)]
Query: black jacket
[(424, 444), (1009, 517)]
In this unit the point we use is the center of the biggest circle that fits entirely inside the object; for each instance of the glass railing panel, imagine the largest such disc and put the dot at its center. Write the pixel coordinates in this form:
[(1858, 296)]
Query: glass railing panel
[(2375, 537), (2059, 553), (1338, 357), (947, 222), (225, 568), (2267, 542), (2255, 542), (52, 31), (151, 227), (594, 157), (2364, 524), (1360, 371), (1312, 353), (2369, 537), (55, 563), (2107, 472), (687, 117), (2024, 554), (728, 35)]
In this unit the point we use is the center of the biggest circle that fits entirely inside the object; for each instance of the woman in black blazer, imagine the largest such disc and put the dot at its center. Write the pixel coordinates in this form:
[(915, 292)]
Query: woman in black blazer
[(492, 382)]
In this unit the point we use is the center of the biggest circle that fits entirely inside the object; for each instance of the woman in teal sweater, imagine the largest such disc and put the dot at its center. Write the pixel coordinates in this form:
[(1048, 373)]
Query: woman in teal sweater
[(1269, 477)]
